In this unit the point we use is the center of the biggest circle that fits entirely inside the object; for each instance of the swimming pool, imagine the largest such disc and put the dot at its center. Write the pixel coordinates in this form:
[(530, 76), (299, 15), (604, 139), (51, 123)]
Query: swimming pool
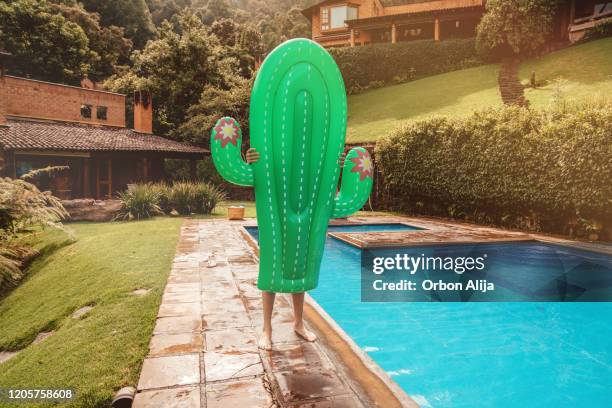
[(355, 228), (477, 354)]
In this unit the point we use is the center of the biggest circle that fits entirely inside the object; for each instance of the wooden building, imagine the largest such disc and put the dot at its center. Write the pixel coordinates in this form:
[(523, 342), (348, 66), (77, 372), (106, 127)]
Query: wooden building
[(45, 124), (361, 22)]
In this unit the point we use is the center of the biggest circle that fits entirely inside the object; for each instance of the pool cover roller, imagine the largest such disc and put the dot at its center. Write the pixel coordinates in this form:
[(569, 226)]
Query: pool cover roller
[(297, 124)]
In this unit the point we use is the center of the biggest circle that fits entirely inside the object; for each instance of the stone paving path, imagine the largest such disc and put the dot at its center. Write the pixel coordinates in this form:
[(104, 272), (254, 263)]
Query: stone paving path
[(204, 353)]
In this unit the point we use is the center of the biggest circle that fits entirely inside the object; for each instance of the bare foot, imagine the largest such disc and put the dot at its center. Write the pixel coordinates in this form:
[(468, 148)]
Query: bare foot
[(304, 333), (265, 341)]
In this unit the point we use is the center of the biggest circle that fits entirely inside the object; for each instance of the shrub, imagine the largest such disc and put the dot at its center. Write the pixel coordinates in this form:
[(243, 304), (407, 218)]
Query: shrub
[(189, 197), (23, 208), (207, 197), (509, 166), (139, 202), (163, 191), (382, 64), (182, 197)]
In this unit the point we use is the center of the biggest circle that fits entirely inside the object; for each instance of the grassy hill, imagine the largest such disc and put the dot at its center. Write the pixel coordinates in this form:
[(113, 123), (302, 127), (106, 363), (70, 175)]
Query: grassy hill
[(585, 72)]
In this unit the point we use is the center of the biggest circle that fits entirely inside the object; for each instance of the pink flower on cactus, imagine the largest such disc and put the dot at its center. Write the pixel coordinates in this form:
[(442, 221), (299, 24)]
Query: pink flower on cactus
[(227, 132), (363, 165)]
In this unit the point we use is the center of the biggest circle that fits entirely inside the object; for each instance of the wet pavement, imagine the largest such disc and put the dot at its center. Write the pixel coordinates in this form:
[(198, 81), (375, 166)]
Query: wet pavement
[(203, 352)]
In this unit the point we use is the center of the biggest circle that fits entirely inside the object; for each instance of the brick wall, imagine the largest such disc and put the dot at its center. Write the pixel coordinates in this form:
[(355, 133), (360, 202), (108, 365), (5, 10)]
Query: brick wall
[(44, 100), (2, 101)]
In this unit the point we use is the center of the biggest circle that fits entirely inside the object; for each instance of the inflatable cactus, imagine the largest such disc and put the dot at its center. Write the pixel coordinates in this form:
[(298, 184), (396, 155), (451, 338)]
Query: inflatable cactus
[(298, 125)]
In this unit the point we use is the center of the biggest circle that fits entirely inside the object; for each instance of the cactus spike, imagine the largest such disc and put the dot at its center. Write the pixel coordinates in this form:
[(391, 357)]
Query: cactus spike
[(298, 125), (226, 143), (357, 176)]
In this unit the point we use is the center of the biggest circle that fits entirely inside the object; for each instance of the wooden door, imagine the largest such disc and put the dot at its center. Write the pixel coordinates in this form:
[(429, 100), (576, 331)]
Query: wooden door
[(104, 178)]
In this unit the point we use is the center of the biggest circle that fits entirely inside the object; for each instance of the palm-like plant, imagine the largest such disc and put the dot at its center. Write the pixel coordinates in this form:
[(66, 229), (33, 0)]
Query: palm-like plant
[(139, 202)]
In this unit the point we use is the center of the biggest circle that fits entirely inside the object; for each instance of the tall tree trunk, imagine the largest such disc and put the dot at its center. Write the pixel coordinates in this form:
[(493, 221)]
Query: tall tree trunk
[(510, 87)]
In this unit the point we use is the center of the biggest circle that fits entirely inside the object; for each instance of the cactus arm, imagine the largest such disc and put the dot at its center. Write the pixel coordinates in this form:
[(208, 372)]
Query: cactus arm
[(356, 183), (225, 147)]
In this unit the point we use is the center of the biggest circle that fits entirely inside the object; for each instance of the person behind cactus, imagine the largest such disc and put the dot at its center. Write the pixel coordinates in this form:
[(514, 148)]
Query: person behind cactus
[(297, 130)]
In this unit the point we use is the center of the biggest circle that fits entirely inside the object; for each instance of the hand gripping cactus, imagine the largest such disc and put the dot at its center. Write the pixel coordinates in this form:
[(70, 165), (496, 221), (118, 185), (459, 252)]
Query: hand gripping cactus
[(298, 125)]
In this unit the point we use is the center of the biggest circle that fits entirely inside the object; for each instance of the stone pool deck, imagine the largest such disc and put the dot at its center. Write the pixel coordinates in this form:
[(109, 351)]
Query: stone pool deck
[(204, 353)]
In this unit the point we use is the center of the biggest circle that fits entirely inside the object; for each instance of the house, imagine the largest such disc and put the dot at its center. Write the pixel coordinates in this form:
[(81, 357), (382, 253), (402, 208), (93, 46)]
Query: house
[(361, 22), (46, 124)]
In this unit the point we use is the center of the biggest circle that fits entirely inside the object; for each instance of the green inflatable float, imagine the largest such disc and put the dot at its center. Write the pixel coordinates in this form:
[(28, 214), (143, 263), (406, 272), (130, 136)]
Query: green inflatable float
[(298, 125)]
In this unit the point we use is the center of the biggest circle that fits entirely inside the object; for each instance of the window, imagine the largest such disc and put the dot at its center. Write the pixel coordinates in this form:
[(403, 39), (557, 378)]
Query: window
[(324, 19), (86, 111), (340, 14), (101, 112), (335, 17)]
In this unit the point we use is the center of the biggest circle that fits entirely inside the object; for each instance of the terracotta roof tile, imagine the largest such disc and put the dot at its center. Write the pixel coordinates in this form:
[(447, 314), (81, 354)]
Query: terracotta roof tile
[(47, 135)]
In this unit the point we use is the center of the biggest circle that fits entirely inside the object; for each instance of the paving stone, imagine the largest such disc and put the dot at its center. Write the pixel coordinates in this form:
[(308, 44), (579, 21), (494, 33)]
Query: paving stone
[(343, 401), (247, 273), (254, 305), (6, 355), (81, 312), (183, 397), (179, 309), (230, 365), (42, 336), (225, 340), (280, 316), (281, 333), (212, 306), (178, 324), (299, 385), (220, 290), (296, 356), (179, 343), (181, 297), (245, 393), (225, 320), (169, 371), (181, 288), (141, 292), (249, 289), (219, 273), (192, 277)]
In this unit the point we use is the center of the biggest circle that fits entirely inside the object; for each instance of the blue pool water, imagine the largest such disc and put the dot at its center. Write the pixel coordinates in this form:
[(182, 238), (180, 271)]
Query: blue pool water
[(479, 354)]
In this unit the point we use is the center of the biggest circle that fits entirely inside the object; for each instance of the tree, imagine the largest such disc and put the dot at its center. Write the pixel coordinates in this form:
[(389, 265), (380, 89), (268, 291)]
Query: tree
[(44, 44), (215, 103), (162, 10), (176, 68), (108, 43), (511, 29), (516, 27), (132, 15), (216, 10)]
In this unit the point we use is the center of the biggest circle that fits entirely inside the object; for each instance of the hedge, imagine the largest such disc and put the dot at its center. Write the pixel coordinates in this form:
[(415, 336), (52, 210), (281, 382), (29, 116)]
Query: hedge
[(507, 166), (380, 64)]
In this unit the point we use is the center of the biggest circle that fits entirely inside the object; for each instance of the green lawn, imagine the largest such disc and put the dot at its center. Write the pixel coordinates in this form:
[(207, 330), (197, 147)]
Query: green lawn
[(103, 350), (587, 69)]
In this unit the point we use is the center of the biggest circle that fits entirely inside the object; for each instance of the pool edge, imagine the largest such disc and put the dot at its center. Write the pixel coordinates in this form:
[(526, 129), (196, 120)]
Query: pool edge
[(376, 382)]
